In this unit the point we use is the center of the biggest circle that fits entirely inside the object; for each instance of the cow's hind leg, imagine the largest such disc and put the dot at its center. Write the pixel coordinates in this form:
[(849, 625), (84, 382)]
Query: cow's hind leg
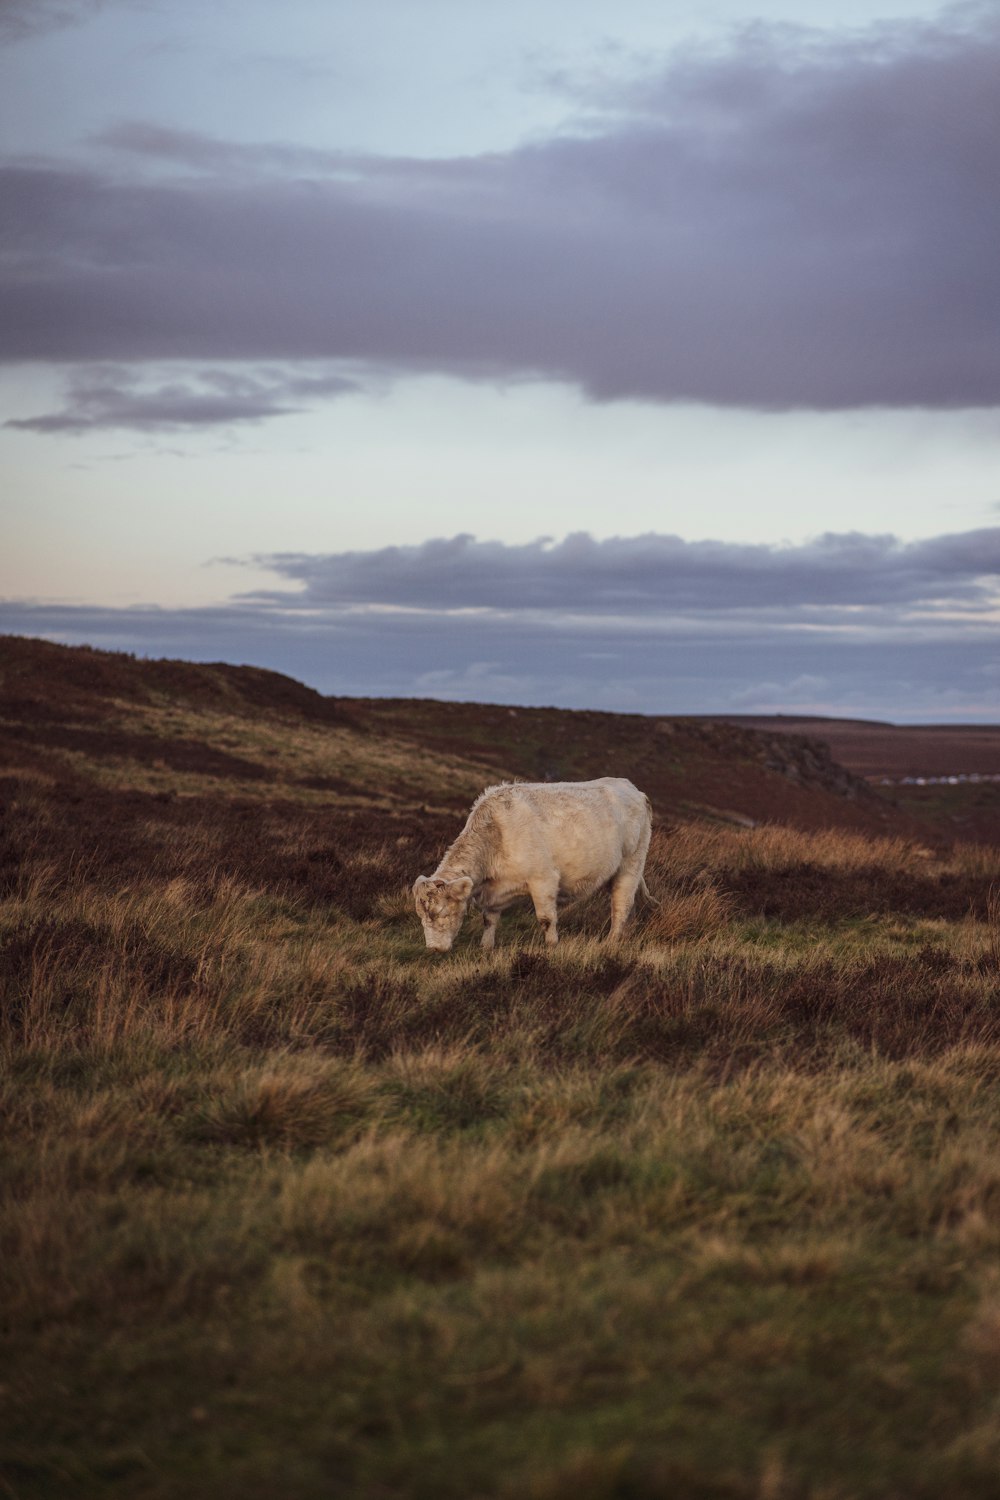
[(543, 895), (623, 889)]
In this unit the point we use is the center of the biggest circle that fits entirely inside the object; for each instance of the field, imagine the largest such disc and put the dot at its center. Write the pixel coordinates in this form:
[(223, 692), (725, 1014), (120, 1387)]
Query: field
[(892, 750), (966, 754), (292, 1207)]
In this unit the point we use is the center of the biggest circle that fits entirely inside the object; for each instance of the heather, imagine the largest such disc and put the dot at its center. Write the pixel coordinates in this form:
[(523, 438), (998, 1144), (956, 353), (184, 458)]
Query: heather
[(292, 1206)]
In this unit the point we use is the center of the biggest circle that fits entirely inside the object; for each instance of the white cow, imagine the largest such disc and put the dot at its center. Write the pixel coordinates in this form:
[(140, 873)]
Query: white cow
[(547, 840)]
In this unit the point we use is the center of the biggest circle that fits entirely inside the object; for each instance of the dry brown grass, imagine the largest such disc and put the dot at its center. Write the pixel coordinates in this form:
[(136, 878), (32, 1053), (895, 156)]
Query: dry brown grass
[(290, 1206), (688, 914), (826, 876), (992, 953)]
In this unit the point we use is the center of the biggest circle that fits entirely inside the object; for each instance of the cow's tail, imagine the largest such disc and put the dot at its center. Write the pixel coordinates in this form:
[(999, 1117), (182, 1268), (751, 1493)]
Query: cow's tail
[(643, 887)]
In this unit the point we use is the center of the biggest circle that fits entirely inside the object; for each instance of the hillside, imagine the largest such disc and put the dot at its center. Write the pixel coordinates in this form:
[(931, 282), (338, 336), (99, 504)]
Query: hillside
[(173, 729), (291, 1206), (894, 751), (947, 775)]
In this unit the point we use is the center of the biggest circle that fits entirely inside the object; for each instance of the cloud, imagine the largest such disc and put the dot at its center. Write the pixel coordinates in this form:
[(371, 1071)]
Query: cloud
[(207, 153), (798, 221), (831, 576), (906, 676), (101, 398), (20, 19), (848, 624)]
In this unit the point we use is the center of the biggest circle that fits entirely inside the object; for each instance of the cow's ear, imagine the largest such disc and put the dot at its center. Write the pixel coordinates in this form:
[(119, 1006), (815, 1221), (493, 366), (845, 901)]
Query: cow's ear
[(460, 889)]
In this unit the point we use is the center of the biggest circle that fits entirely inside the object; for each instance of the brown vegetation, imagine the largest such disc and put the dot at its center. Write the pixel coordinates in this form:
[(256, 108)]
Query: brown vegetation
[(291, 1206)]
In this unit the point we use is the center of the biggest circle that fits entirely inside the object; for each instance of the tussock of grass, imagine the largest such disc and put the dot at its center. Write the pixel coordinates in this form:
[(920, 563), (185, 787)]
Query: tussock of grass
[(292, 1102), (688, 914)]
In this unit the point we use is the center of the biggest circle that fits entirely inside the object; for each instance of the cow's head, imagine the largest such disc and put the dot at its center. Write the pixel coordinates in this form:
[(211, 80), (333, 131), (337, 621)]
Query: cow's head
[(441, 907)]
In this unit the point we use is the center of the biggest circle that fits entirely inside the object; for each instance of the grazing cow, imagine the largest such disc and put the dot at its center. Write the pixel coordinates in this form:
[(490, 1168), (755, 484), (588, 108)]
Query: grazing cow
[(546, 840)]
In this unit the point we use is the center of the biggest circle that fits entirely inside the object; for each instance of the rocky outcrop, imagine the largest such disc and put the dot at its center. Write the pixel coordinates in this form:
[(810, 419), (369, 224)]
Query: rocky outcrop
[(798, 757)]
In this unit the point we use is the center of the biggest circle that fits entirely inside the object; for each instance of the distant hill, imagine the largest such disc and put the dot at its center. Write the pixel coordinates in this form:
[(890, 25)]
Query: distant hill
[(874, 749), (49, 678), (945, 774), (174, 729)]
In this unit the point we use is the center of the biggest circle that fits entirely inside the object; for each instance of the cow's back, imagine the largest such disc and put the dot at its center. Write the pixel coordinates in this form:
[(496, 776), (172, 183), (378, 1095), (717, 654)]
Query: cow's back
[(584, 828)]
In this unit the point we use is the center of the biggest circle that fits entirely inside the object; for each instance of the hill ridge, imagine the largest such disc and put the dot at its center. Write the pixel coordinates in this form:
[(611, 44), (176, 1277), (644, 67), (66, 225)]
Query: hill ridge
[(174, 718)]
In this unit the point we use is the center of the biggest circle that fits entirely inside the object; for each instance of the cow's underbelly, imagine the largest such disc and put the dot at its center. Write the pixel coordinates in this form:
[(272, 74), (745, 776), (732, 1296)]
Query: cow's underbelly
[(575, 890), (574, 883)]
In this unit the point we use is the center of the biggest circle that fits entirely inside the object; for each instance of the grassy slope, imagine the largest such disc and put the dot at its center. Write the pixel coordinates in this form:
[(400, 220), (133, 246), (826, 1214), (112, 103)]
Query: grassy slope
[(292, 1207)]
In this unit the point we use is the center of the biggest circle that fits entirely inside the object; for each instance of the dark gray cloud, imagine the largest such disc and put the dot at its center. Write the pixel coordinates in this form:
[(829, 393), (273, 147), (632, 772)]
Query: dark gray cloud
[(847, 624), (636, 665), (205, 153), (100, 398), (794, 222), (656, 574), (20, 19)]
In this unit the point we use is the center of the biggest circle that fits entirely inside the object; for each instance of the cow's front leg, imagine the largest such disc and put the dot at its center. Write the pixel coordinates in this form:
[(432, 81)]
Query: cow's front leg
[(543, 896), (491, 921)]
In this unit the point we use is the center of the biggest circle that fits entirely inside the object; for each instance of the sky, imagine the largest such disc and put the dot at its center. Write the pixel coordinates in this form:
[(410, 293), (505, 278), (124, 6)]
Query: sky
[(642, 357)]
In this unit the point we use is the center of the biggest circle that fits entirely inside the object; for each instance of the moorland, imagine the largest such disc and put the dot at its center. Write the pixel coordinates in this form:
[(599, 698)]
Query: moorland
[(290, 1206)]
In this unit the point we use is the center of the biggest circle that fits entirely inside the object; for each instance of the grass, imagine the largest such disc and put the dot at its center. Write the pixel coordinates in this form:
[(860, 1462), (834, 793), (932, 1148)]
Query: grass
[(191, 752), (291, 1206)]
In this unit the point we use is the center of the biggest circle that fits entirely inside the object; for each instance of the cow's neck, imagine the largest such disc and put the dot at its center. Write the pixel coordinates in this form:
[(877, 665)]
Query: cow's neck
[(468, 855)]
